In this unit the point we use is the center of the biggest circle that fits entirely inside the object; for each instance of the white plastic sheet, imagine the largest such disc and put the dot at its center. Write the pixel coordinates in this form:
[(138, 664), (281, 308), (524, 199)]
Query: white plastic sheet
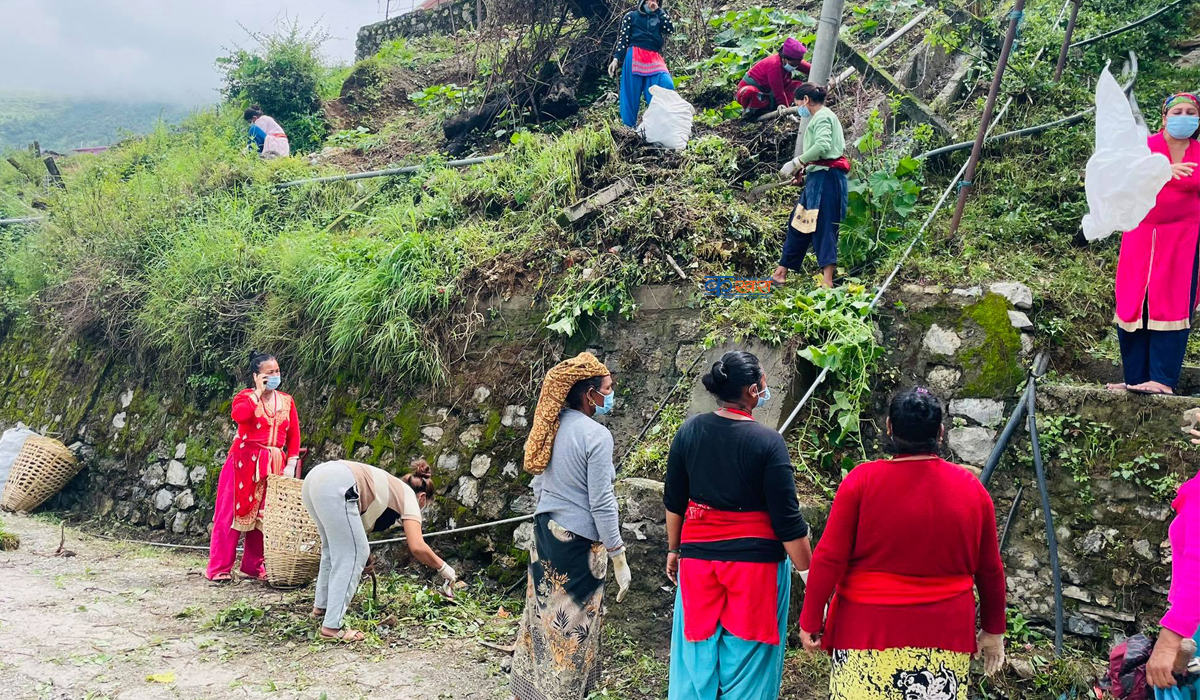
[(668, 119), (1123, 176), (10, 446)]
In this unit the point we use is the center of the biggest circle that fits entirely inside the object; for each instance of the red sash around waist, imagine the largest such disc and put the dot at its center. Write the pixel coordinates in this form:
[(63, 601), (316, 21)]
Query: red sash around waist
[(883, 588), (647, 62), (841, 163), (703, 523)]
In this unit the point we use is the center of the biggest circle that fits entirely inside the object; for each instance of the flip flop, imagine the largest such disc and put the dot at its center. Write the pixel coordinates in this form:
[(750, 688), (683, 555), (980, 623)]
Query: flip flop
[(222, 578), (1149, 392), (343, 636)]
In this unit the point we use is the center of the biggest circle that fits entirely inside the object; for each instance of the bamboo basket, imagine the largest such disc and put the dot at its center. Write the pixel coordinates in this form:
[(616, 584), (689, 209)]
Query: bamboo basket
[(291, 541), (42, 469)]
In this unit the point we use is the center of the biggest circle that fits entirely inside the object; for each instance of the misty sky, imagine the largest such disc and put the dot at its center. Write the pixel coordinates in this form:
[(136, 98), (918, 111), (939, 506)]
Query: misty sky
[(154, 50)]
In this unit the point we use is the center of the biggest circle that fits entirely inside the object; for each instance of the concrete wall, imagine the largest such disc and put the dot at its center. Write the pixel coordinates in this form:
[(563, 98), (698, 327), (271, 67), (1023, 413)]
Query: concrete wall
[(443, 19)]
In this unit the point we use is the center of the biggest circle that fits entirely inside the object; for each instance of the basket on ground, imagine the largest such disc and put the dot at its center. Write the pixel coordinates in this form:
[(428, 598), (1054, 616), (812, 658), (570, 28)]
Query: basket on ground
[(42, 469), (291, 541)]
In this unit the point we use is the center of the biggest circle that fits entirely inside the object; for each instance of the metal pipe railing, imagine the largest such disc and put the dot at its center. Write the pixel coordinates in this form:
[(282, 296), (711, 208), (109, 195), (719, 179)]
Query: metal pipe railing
[(406, 170)]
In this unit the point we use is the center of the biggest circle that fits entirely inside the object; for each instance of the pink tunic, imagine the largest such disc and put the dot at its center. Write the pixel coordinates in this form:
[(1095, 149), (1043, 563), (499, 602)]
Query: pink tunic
[(1183, 617), (1155, 269)]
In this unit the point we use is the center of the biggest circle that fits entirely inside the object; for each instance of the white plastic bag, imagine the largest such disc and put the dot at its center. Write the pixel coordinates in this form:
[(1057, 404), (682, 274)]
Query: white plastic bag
[(1123, 176), (10, 446), (668, 119)]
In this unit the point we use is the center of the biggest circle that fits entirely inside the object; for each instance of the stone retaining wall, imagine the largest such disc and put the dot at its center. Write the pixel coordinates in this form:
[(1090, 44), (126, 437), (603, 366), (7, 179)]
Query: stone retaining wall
[(446, 18)]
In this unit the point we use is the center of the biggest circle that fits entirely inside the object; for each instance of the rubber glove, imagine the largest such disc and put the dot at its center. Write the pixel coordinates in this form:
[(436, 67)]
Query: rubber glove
[(804, 576), (789, 168), (991, 648), (447, 572), (290, 468), (612, 68), (622, 574)]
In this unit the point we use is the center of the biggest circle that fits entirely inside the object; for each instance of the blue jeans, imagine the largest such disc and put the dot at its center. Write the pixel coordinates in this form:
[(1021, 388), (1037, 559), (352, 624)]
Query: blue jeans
[(635, 87)]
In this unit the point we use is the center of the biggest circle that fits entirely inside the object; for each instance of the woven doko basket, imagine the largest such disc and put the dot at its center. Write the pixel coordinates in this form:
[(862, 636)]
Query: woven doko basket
[(42, 469), (291, 541)]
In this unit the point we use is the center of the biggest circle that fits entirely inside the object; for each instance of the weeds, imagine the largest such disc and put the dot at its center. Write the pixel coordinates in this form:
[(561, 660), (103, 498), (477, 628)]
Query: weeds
[(743, 38), (9, 541)]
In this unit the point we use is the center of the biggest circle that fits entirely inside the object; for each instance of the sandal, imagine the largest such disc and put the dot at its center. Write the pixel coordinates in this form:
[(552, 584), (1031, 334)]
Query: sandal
[(347, 636), (222, 578), (317, 613), (1154, 390)]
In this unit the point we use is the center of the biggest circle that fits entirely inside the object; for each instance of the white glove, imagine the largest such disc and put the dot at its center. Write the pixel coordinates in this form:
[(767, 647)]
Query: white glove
[(612, 68), (289, 469), (622, 575), (991, 648), (804, 576), (447, 572), (789, 168)]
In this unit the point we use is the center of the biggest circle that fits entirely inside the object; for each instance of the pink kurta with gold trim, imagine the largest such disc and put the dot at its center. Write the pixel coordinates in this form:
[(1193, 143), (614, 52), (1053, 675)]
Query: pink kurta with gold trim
[(1156, 267), (267, 435)]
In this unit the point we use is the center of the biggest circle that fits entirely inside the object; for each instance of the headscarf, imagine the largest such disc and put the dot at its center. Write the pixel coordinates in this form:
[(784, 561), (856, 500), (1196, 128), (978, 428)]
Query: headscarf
[(793, 49), (558, 382), (1178, 98)]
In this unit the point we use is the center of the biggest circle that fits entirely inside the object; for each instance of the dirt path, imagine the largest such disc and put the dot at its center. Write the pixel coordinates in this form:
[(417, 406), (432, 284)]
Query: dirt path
[(98, 624)]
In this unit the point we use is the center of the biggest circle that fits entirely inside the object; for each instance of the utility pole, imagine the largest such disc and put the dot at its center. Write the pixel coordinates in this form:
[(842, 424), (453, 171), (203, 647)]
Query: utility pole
[(824, 51), (963, 187), (1066, 44)]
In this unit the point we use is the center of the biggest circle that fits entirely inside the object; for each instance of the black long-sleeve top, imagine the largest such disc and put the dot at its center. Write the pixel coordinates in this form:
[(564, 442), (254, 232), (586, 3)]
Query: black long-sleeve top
[(734, 465), (644, 30)]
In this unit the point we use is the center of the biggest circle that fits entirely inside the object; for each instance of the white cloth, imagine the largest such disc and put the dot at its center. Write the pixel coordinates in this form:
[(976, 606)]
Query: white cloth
[(1123, 176), (276, 144)]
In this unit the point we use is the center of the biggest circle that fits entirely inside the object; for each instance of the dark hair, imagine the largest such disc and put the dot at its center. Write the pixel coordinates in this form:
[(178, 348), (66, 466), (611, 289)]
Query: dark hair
[(812, 91), (252, 112), (916, 416), (580, 389), (256, 360), (421, 478), (736, 369)]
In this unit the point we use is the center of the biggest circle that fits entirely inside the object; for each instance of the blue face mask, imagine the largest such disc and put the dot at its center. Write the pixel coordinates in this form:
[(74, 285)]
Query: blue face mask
[(789, 68), (609, 401), (804, 112), (1182, 126), (272, 382), (763, 397)]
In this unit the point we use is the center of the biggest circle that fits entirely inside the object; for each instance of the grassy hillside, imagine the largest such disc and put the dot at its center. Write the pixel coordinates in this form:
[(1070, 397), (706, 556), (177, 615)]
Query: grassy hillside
[(61, 124)]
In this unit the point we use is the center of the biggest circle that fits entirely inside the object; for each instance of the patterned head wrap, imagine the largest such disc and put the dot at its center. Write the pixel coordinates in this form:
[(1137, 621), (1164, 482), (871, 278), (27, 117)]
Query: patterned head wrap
[(558, 382), (1179, 98)]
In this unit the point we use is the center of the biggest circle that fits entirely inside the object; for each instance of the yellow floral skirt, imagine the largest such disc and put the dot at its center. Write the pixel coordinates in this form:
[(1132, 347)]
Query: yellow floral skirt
[(899, 674)]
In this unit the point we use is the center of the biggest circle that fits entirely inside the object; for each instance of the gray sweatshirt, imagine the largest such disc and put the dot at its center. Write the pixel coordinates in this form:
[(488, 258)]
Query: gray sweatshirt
[(577, 488)]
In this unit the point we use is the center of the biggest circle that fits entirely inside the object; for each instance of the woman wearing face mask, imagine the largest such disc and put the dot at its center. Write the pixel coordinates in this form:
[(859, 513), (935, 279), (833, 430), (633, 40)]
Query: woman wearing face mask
[(908, 542), (348, 499), (822, 205), (734, 534), (1156, 273), (770, 83), (267, 442), (640, 45), (576, 534)]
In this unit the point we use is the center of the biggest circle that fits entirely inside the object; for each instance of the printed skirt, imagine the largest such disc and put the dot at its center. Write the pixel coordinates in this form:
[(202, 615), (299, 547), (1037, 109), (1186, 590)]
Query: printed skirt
[(557, 655), (899, 674)]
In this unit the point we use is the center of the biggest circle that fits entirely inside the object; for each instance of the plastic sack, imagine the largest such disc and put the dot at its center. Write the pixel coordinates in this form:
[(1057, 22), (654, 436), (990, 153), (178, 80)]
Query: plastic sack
[(1123, 176), (10, 446), (668, 119)]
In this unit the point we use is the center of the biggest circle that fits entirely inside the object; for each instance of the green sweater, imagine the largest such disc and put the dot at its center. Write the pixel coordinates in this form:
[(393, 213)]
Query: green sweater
[(823, 139)]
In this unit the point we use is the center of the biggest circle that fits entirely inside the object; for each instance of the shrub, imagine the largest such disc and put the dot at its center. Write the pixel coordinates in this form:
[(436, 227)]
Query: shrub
[(283, 75)]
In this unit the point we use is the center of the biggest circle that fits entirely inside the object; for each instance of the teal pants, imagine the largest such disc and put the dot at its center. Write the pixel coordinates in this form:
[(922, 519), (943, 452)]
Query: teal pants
[(1190, 692), (724, 666)]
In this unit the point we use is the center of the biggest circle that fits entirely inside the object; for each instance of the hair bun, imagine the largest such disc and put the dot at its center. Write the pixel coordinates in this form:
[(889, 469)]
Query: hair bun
[(718, 372), (422, 469)]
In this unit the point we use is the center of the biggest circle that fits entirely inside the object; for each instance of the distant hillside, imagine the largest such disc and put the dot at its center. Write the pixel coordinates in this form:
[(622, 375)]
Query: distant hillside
[(61, 124)]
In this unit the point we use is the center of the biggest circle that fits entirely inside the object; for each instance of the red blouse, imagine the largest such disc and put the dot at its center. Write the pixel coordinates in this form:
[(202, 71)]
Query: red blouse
[(268, 434), (922, 518)]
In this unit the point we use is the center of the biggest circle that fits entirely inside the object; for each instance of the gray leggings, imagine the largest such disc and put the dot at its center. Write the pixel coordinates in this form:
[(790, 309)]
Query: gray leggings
[(331, 497)]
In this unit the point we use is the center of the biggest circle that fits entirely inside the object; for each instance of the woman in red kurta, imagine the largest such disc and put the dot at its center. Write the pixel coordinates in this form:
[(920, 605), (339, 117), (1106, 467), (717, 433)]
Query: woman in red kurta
[(908, 539), (1156, 273), (267, 442), (772, 82)]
